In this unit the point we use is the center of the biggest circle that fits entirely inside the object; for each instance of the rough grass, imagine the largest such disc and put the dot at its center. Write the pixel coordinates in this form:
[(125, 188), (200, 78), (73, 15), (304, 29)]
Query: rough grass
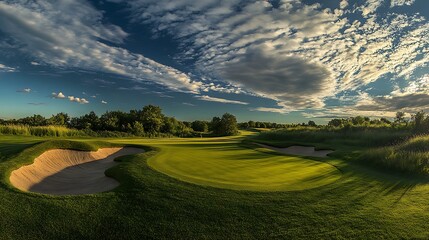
[(411, 156), (40, 131), (362, 204), (356, 137)]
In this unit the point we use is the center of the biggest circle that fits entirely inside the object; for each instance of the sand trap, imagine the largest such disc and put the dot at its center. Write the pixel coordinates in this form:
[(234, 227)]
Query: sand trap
[(69, 172), (300, 151)]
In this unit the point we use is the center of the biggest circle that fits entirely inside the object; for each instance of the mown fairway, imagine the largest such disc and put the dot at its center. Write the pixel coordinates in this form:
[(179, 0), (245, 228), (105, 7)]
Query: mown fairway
[(224, 163), (358, 203)]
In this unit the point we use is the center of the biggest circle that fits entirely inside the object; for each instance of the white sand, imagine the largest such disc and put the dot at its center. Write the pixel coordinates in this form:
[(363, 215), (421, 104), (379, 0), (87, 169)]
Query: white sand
[(69, 172), (299, 150)]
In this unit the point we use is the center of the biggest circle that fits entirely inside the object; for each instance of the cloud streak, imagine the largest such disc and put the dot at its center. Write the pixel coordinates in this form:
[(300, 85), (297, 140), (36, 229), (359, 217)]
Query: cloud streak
[(71, 34), (219, 100)]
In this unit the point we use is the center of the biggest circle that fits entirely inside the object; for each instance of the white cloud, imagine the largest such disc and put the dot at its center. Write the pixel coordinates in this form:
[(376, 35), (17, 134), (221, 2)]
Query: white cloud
[(220, 100), (188, 104), (59, 95), (269, 109), (25, 90), (103, 102), (395, 3), (350, 53), (35, 63), (72, 34), (78, 100), (4, 68), (344, 4)]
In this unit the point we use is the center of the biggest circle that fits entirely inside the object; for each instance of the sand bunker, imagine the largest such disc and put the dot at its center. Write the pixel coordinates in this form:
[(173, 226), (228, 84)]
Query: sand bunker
[(300, 151), (69, 172)]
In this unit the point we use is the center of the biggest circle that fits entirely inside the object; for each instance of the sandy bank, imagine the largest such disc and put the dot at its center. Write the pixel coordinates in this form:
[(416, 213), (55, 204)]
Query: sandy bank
[(69, 172), (300, 151)]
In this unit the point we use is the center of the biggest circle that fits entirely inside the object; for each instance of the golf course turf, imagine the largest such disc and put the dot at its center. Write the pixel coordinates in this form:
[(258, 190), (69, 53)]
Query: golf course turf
[(361, 202), (225, 164)]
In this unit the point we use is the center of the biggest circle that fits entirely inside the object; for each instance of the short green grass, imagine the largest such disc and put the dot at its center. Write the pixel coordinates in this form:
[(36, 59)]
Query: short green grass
[(363, 204), (224, 163)]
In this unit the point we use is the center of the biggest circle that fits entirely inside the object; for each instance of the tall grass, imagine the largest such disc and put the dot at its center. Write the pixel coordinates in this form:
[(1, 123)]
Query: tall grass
[(351, 136), (411, 156), (41, 131)]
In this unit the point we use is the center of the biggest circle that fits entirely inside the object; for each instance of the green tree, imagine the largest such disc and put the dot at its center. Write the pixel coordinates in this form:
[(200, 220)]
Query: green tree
[(336, 122), (136, 128), (312, 123), (225, 126), (400, 117), (200, 126), (152, 118), (60, 119)]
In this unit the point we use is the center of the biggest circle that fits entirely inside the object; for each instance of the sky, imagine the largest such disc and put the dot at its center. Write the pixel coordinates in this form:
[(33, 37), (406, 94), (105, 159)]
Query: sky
[(280, 60)]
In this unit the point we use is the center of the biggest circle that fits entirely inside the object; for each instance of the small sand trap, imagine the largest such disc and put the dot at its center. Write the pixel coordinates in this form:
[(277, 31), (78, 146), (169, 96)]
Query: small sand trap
[(69, 172), (300, 151)]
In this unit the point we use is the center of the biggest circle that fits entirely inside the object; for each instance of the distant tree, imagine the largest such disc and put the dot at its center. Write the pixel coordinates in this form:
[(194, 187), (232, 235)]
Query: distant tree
[(35, 120), (214, 124), (200, 126), (336, 122), (358, 120), (225, 126), (251, 124), (385, 120), (60, 119), (187, 124), (419, 121), (170, 125), (400, 117), (136, 128), (87, 121), (312, 123), (152, 118), (110, 121)]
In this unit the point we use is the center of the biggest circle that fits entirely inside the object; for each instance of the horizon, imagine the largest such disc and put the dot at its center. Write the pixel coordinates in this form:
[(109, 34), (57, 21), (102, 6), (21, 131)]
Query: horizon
[(270, 61)]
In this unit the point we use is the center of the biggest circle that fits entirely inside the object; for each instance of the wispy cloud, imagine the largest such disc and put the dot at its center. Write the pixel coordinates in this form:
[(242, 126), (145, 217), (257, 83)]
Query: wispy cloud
[(24, 90), (40, 27), (269, 109), (316, 53), (37, 103), (4, 68), (103, 102), (188, 104), (220, 100)]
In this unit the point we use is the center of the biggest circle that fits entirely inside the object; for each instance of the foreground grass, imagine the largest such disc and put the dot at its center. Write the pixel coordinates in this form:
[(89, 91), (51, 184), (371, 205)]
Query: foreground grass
[(364, 204)]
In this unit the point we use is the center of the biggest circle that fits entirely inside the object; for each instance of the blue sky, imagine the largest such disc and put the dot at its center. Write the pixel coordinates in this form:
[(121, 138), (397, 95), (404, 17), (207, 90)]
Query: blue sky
[(282, 60)]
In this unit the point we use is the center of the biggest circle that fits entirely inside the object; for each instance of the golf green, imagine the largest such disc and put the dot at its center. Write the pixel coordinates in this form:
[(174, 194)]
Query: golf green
[(223, 163)]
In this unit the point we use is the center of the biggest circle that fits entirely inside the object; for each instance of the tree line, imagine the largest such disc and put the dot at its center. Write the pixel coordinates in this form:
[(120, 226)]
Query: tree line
[(149, 121)]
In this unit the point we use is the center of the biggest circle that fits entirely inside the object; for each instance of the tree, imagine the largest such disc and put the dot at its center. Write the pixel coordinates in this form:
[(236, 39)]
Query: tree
[(336, 122), (225, 126), (152, 118), (87, 121), (400, 117), (60, 119), (312, 123), (419, 120), (136, 128), (385, 120), (35, 120), (200, 126), (358, 120)]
